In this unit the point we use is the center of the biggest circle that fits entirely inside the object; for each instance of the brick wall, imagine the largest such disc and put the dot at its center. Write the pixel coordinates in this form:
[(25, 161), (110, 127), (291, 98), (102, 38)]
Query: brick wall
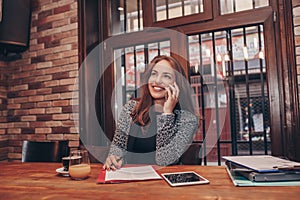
[(42, 92), (3, 111), (296, 14)]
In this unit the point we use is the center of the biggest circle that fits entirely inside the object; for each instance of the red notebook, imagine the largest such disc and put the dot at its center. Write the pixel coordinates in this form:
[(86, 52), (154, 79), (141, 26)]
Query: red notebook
[(128, 174)]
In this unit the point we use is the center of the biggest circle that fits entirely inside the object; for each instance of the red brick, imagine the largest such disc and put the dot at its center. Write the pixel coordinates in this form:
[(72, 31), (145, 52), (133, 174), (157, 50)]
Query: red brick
[(71, 136), (28, 105), (44, 91), (14, 131), (62, 9), (68, 123), (60, 62), (53, 110), (43, 130), (71, 108), (53, 123), (27, 131), (28, 118), (27, 93), (37, 111), (60, 130), (60, 89), (61, 116), (52, 97), (61, 103), (44, 40), (74, 144), (36, 98), (69, 81), (51, 83), (55, 136), (44, 14), (44, 104), (37, 124), (45, 26), (20, 124), (21, 112), (67, 95), (40, 118), (13, 106)]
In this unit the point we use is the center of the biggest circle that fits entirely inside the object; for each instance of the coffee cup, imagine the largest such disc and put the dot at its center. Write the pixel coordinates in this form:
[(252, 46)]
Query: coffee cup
[(65, 162)]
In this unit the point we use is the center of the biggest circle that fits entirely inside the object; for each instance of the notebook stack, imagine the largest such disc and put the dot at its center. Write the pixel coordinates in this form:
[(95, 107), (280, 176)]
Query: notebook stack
[(262, 170)]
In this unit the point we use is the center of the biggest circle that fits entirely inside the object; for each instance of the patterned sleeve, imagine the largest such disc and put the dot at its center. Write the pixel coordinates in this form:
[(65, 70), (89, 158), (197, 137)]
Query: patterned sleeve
[(119, 143), (174, 136)]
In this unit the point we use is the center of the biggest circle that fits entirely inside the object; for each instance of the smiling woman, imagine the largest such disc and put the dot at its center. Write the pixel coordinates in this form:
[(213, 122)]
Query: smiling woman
[(159, 126)]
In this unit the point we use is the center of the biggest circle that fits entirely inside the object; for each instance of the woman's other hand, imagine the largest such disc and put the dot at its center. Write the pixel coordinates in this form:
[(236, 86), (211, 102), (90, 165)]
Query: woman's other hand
[(113, 162)]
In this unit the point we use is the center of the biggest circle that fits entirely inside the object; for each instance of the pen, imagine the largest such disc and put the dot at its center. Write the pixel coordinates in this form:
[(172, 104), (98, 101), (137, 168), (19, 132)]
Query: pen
[(117, 161)]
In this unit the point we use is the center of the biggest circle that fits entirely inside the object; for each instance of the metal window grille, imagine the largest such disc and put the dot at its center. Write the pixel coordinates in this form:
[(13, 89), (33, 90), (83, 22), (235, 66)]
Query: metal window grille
[(228, 75)]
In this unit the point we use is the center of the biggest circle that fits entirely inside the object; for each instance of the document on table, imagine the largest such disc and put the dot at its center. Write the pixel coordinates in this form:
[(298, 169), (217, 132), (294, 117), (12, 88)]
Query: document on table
[(132, 174)]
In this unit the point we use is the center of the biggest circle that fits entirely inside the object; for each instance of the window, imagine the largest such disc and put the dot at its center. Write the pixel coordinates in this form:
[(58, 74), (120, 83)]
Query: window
[(228, 74), (133, 15), (126, 16), (232, 6), (169, 9)]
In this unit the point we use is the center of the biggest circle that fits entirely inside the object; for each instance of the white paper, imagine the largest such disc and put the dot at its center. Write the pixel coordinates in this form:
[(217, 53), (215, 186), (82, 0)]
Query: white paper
[(132, 173)]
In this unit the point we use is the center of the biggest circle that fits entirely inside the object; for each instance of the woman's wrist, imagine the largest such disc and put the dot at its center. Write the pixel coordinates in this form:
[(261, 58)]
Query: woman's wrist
[(168, 111)]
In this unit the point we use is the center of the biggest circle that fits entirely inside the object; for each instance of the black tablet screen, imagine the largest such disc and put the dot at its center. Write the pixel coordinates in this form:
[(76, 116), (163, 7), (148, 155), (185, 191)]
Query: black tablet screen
[(183, 177)]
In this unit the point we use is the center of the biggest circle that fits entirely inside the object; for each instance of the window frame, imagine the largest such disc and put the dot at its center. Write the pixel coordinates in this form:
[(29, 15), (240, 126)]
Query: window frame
[(149, 19)]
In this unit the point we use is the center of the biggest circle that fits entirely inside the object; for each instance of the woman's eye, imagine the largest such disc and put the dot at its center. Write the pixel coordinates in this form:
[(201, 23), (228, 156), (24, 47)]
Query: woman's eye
[(167, 77), (153, 74)]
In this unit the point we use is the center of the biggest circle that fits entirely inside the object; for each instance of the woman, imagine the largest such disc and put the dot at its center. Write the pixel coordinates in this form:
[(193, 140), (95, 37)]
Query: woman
[(158, 127)]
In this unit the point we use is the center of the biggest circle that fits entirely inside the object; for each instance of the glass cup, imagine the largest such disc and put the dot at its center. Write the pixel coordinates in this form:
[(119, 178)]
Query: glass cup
[(65, 163), (79, 165)]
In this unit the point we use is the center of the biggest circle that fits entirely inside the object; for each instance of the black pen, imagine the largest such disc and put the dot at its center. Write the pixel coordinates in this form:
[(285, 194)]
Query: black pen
[(117, 161)]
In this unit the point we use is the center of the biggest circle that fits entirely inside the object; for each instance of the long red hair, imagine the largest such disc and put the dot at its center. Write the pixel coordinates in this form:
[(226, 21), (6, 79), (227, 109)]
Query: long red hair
[(140, 113)]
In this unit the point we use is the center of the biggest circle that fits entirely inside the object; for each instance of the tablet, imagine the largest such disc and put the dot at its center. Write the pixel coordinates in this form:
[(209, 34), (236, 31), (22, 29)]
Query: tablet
[(184, 178)]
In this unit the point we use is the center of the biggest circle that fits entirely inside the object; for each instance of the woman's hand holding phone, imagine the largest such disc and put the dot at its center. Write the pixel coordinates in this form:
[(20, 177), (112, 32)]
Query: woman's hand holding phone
[(172, 94)]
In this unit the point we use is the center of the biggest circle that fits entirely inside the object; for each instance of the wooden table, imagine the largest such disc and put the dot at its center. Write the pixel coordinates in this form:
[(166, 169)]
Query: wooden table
[(40, 181)]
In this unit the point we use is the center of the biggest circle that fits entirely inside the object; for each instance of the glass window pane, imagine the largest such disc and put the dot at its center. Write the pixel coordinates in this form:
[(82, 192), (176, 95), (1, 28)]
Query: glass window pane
[(261, 3), (126, 16), (241, 5), (226, 6), (192, 7), (160, 10), (169, 9), (232, 6), (175, 8)]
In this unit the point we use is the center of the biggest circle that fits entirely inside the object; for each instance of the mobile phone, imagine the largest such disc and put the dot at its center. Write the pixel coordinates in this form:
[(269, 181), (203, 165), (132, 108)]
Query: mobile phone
[(184, 178)]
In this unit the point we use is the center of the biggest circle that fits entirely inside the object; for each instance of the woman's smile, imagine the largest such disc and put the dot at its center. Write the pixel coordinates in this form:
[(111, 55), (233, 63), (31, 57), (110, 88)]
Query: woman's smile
[(157, 92), (158, 88)]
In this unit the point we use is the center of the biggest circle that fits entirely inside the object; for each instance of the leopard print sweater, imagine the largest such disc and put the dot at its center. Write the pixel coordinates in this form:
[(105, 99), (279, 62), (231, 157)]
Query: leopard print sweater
[(174, 134)]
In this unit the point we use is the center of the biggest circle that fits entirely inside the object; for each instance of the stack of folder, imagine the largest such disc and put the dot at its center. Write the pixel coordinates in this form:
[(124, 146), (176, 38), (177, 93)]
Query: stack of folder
[(262, 170)]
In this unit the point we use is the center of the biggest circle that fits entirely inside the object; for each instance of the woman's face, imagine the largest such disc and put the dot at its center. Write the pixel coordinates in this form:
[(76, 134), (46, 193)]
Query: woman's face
[(162, 75)]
